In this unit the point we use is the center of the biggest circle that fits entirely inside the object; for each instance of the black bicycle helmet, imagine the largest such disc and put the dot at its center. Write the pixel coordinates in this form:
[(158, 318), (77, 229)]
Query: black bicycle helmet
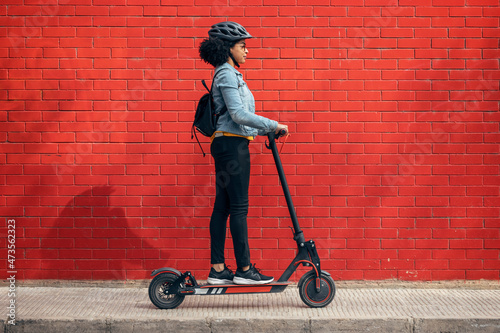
[(230, 31)]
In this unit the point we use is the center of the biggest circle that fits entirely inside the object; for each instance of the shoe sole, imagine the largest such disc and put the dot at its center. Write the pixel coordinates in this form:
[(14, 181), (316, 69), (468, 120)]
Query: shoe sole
[(218, 281), (239, 280)]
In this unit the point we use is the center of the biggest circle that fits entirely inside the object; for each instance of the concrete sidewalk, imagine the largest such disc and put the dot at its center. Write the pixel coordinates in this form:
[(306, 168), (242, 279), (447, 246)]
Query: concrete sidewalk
[(390, 309)]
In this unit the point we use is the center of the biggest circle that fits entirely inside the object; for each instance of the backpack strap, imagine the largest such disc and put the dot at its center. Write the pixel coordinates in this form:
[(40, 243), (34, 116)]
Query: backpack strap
[(193, 134), (206, 87)]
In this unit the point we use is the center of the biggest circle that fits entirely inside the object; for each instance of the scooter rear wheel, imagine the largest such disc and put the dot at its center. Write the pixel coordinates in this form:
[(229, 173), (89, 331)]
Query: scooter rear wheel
[(158, 288), (308, 293)]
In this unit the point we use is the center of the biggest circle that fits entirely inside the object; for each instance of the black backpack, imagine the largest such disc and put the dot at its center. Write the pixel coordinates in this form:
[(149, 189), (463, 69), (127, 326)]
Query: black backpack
[(205, 118)]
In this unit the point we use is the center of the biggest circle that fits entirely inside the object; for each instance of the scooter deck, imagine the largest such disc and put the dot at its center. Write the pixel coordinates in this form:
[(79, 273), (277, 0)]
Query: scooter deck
[(215, 289)]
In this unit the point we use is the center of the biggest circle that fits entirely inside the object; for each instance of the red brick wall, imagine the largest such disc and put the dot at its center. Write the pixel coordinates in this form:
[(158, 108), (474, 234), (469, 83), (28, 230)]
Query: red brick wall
[(393, 160)]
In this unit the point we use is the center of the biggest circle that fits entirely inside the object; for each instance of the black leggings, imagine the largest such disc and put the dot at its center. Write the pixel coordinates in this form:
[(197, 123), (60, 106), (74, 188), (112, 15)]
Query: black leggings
[(232, 168)]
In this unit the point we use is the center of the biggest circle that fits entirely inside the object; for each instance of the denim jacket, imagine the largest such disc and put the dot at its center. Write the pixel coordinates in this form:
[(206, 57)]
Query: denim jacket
[(229, 89)]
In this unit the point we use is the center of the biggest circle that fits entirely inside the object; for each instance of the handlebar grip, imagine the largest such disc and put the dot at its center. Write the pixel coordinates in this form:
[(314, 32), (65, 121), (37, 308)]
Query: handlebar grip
[(273, 136), (281, 133)]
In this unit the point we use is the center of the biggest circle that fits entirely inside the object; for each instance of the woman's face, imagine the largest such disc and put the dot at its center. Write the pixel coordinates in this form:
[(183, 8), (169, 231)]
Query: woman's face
[(239, 51)]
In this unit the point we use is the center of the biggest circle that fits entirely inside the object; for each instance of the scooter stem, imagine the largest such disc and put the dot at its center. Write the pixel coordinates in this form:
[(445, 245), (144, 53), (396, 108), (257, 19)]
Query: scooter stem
[(298, 234)]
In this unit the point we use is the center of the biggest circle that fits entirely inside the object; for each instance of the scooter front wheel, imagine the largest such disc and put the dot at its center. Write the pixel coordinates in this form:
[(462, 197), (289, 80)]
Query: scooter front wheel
[(158, 291), (308, 293)]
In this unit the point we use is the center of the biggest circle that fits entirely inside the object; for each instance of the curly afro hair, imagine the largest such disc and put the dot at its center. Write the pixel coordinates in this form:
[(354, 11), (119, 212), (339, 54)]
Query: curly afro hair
[(215, 51)]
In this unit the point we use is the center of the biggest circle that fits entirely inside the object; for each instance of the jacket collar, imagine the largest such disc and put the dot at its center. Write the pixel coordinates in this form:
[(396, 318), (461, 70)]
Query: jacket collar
[(226, 65)]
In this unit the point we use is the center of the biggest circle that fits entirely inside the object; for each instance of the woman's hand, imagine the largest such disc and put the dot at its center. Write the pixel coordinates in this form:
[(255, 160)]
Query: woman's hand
[(281, 127)]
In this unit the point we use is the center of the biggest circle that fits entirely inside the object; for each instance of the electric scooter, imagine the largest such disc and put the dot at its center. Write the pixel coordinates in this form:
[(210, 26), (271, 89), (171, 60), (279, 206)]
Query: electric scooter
[(169, 287)]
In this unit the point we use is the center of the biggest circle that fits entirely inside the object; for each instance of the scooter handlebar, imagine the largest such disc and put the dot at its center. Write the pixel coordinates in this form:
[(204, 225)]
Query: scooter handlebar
[(273, 136)]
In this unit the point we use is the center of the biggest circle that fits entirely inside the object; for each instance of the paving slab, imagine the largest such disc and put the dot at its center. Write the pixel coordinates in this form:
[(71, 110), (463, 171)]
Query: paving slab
[(94, 309)]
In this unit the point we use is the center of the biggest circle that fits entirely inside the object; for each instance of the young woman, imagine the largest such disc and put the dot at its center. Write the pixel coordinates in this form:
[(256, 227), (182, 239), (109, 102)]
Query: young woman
[(225, 49)]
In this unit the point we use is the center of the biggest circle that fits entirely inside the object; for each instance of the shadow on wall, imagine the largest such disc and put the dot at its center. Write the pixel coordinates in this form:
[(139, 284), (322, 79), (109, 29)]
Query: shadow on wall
[(93, 239)]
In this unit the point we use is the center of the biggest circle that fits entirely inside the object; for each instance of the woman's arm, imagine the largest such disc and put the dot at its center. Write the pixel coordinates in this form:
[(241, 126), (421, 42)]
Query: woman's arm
[(228, 84)]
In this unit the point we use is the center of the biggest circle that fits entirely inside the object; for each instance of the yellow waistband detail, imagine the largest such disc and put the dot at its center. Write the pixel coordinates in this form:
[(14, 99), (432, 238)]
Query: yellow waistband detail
[(220, 133)]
